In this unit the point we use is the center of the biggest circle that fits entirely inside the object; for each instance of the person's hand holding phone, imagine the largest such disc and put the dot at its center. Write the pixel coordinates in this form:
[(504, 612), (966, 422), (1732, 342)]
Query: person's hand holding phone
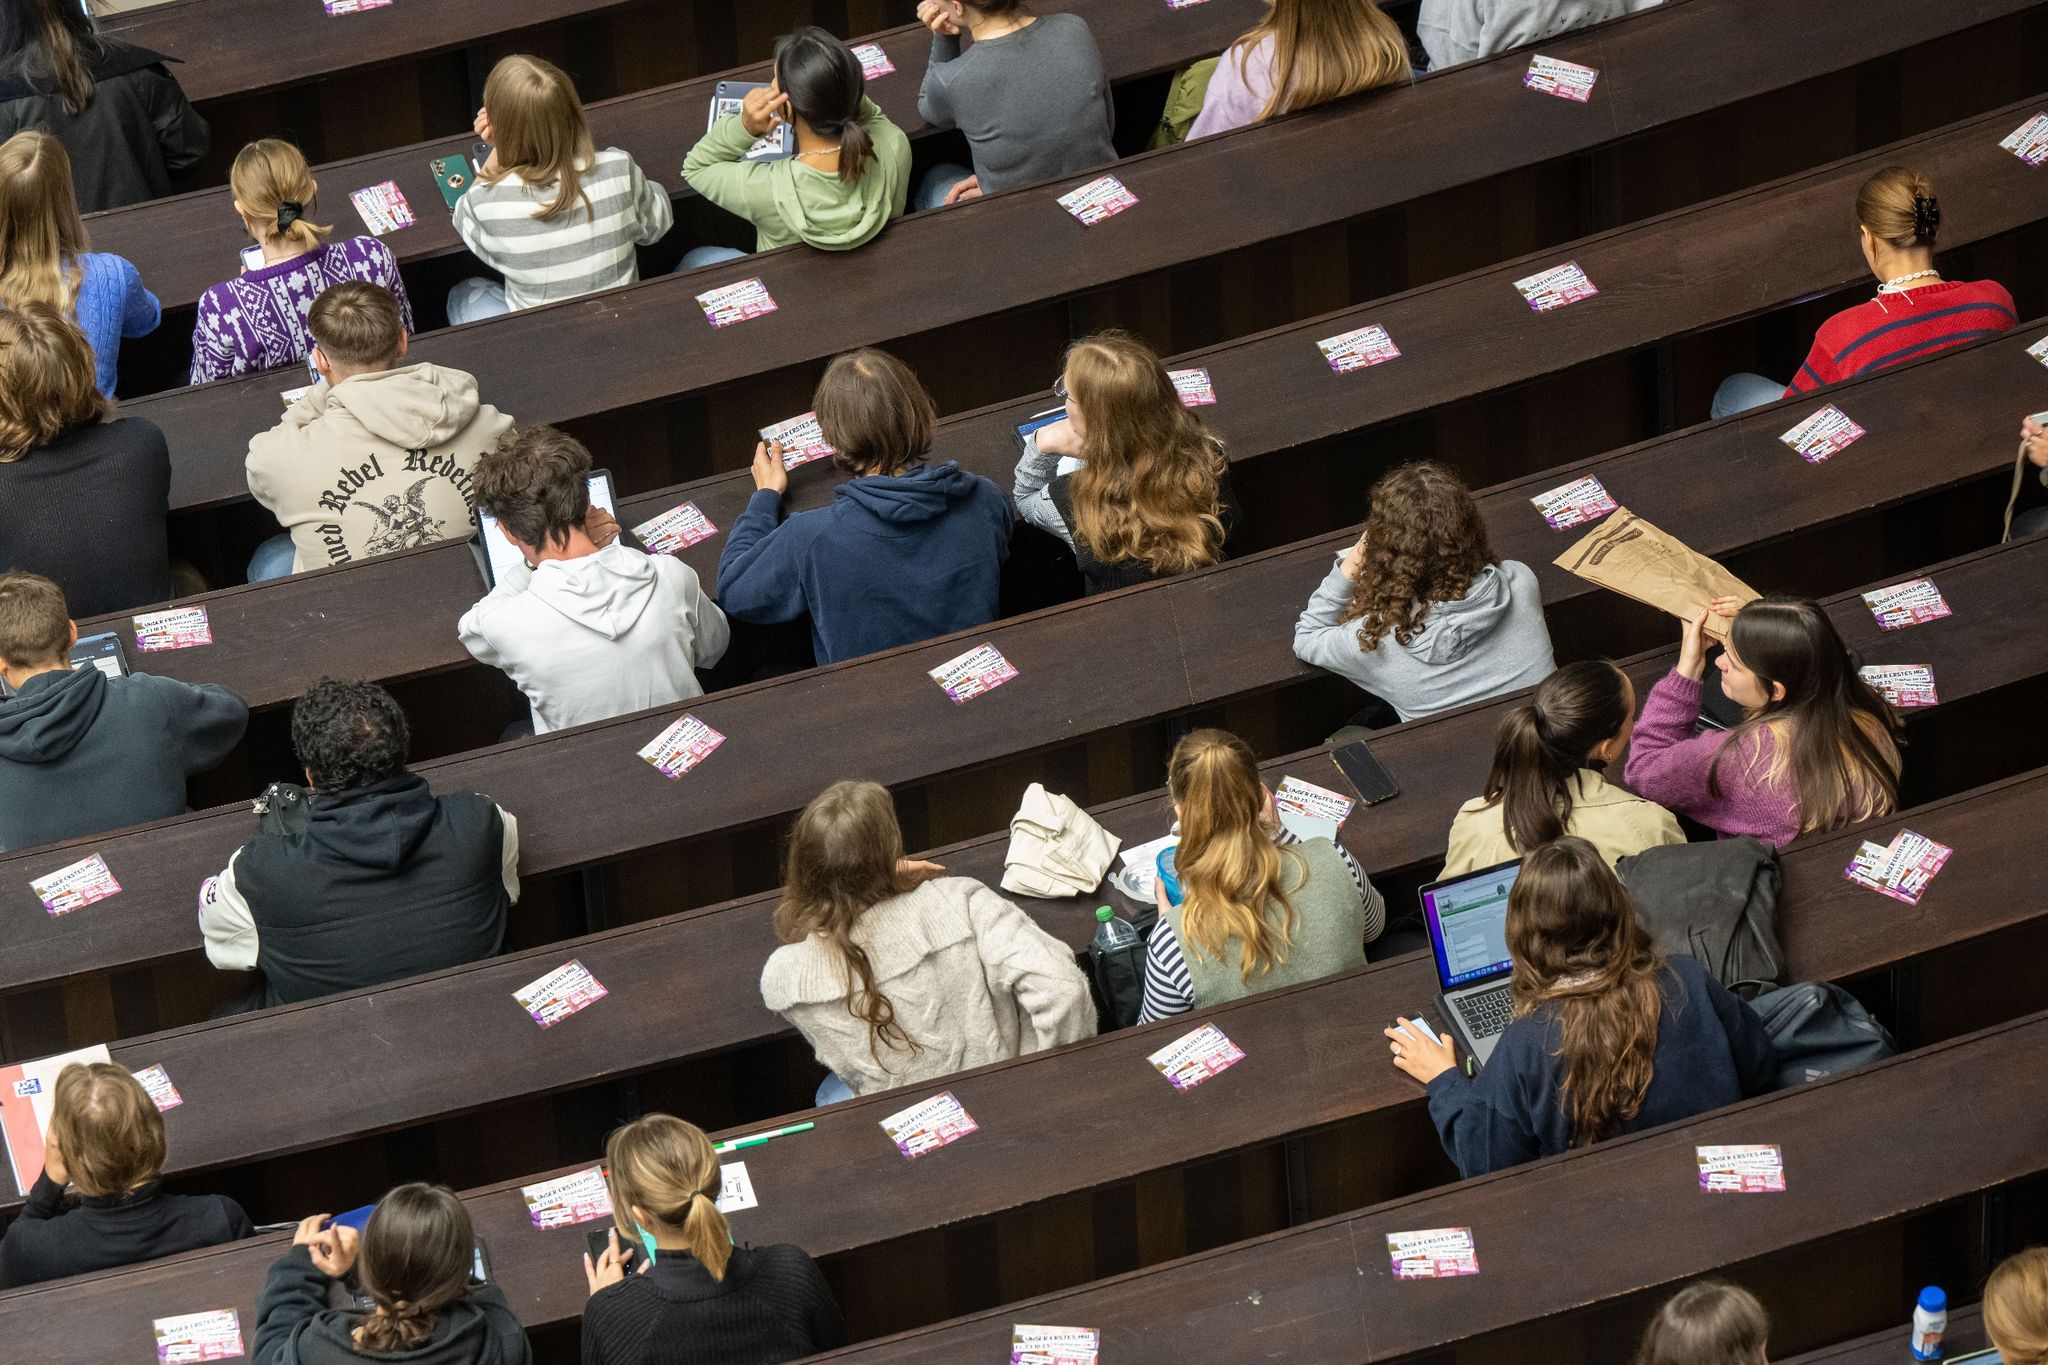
[(332, 1248), (761, 109), (610, 1266), (769, 475), (1419, 1052)]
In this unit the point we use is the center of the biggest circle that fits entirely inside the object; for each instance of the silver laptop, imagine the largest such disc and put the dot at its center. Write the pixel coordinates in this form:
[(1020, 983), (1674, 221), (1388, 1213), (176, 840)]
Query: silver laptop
[(1468, 921)]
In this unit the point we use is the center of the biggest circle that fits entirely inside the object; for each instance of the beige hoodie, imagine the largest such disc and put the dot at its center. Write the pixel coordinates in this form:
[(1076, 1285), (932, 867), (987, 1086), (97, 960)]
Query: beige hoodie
[(376, 463)]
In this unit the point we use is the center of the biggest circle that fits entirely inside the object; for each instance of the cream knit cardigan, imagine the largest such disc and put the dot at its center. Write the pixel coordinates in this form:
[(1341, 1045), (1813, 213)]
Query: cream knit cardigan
[(972, 978)]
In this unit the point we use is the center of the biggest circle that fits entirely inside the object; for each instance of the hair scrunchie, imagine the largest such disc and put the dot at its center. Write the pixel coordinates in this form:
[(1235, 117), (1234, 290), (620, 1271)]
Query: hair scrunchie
[(1926, 217), (289, 211)]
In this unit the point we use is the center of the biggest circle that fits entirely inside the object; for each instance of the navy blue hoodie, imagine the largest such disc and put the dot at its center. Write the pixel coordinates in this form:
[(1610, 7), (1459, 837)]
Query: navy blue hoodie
[(81, 752), (893, 560)]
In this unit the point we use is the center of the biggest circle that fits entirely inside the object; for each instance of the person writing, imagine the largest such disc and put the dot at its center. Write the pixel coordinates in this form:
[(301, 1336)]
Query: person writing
[(897, 974), (1150, 496), (1817, 751), (729, 1301), (1609, 1036), (1259, 909), (106, 1140), (1302, 53), (1546, 779)]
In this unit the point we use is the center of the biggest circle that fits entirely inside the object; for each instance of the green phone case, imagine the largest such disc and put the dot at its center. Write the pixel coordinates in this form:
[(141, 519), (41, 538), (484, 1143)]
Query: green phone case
[(453, 175)]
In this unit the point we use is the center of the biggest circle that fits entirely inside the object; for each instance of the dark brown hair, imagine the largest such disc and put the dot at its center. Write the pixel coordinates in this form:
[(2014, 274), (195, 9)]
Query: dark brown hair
[(825, 85), (35, 621), (1580, 954), (47, 378), (414, 1262), (1898, 206), (1540, 748), (52, 44), (107, 1128), (536, 481), (1709, 1322), (874, 413), (1425, 543), (841, 863), (356, 323)]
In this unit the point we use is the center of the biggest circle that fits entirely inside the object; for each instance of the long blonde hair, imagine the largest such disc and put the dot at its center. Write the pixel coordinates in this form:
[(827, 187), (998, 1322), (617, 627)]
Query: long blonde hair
[(542, 135), (2016, 1307), (270, 177), (1150, 489), (1324, 50), (842, 862), (668, 1170), (41, 234), (1230, 871)]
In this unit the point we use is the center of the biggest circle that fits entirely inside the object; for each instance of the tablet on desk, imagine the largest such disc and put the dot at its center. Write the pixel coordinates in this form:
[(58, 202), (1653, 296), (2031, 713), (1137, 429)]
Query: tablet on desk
[(778, 144), (97, 651), (495, 556)]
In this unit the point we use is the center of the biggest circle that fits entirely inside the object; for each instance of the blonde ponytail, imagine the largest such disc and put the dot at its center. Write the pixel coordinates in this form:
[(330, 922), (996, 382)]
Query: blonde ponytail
[(1229, 868), (274, 187), (2016, 1307), (666, 1169)]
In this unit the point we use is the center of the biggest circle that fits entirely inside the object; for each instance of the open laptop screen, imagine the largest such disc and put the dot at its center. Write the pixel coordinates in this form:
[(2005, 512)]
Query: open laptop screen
[(1468, 923)]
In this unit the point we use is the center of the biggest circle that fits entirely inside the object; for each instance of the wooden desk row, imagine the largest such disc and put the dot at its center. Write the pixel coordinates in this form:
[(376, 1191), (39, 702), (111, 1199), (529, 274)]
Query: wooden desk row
[(1096, 1113), (1275, 392), (645, 344), (703, 964)]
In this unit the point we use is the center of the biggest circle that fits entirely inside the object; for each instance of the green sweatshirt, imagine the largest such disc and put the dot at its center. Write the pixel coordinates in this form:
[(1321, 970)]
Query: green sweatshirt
[(787, 201)]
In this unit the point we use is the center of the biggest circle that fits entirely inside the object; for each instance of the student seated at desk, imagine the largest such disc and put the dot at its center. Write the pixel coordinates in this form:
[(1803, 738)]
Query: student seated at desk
[(851, 171), (1916, 311), (1709, 1322), (257, 320), (45, 256), (366, 877), (1029, 93), (378, 457), (897, 974), (2016, 1307), (1150, 496), (116, 107), (552, 214), (906, 549), (85, 496), (106, 1141), (1609, 1036), (598, 628), (1817, 751), (414, 1259), (1302, 53), (703, 1297), (1454, 31), (2034, 443), (1548, 757), (1420, 612), (81, 752)]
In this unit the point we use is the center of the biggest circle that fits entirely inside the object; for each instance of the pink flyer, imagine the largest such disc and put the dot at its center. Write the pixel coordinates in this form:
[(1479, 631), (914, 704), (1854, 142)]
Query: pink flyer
[(1355, 350), (383, 208), (981, 669), (156, 1082), (681, 747), (579, 1197), (1193, 386), (676, 529), (1434, 1254), (2029, 141), (1741, 1170), (194, 1337), (1913, 603), (1566, 80), (77, 885), (172, 628), (736, 303), (1828, 432), (561, 993), (1556, 287), (928, 1126), (353, 6), (1574, 504), (1097, 200), (1194, 1058), (802, 440), (873, 61)]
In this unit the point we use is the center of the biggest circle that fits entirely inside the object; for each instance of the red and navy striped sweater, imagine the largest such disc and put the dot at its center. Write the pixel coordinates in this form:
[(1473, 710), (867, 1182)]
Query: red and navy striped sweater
[(1894, 328)]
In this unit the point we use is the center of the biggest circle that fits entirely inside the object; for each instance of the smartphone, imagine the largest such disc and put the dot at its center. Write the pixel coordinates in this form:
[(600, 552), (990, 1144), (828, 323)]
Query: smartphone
[(2039, 419), (452, 174), (1371, 781), (252, 257), (354, 1218), (598, 1240), (479, 1264)]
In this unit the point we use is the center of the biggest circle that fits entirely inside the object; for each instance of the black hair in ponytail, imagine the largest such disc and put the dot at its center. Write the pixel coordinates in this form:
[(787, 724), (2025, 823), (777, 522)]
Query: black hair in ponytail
[(825, 86), (1540, 748)]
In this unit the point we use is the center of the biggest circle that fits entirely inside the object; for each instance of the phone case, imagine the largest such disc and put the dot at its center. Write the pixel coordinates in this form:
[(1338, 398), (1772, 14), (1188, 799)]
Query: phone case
[(1364, 772), (453, 175)]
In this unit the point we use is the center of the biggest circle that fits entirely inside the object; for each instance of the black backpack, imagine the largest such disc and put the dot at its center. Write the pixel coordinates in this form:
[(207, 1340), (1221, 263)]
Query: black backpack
[(1818, 1029), (1717, 902)]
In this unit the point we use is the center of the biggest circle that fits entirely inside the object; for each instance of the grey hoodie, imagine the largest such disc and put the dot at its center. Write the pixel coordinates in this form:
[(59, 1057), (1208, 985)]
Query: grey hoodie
[(376, 463), (1491, 641), (1454, 31), (81, 752), (587, 639)]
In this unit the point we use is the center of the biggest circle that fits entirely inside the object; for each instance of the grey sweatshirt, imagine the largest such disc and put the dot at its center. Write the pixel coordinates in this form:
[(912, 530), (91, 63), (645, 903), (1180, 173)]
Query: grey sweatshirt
[(1034, 104), (1491, 641), (1454, 31)]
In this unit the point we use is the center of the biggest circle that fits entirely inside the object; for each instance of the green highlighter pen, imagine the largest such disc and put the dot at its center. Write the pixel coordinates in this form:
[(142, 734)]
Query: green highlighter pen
[(756, 1139)]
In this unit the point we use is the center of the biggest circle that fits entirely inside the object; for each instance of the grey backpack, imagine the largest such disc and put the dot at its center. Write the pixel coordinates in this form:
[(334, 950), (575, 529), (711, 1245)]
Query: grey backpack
[(1818, 1029), (1717, 902)]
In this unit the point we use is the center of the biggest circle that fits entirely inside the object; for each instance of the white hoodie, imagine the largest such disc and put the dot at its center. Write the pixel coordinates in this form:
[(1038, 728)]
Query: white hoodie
[(591, 638)]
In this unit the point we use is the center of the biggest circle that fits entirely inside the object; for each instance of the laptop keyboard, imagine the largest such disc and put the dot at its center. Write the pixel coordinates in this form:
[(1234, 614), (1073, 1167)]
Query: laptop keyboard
[(1487, 1014)]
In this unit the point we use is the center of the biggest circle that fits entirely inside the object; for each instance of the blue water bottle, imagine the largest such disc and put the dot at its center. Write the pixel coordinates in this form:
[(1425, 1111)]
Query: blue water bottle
[(1167, 878)]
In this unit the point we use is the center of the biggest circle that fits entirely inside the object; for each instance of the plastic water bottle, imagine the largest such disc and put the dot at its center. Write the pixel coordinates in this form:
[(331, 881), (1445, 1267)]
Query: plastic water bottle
[(1930, 1320), (1113, 931)]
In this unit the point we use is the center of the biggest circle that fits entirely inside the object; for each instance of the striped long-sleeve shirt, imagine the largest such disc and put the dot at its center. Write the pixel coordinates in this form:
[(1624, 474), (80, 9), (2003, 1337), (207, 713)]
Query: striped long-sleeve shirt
[(1168, 987), (1894, 328), (579, 252)]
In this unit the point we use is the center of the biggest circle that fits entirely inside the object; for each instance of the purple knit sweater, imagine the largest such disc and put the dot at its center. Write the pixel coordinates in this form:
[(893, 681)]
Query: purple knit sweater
[(1668, 764), (257, 321)]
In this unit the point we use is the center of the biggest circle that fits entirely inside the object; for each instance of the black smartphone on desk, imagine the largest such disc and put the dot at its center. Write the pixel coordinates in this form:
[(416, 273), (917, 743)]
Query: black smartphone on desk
[(1365, 773)]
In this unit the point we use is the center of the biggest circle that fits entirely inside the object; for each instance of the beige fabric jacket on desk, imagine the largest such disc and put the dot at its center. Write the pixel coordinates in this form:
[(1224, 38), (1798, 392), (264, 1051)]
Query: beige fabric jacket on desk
[(1615, 822), (972, 979)]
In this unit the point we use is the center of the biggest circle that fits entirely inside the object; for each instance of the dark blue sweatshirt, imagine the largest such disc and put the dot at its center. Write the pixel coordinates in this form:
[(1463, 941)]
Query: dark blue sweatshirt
[(893, 560), (1711, 1050)]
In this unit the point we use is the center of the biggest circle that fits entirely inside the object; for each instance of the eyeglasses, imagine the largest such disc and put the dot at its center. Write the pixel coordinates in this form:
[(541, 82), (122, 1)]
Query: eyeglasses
[(1059, 386)]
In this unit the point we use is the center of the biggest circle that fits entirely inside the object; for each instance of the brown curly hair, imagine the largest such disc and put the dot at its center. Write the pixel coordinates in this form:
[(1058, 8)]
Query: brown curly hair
[(1424, 543)]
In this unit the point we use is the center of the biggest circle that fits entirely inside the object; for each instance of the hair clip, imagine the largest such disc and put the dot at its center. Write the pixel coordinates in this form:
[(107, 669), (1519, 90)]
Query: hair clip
[(1926, 216), (289, 211)]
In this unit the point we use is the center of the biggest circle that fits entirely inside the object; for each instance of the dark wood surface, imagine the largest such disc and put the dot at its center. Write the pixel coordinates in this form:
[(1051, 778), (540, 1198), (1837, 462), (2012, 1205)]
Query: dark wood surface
[(401, 1031), (585, 796), (1871, 1147), (187, 244), (1275, 393), (1063, 1121), (1965, 1333), (647, 342)]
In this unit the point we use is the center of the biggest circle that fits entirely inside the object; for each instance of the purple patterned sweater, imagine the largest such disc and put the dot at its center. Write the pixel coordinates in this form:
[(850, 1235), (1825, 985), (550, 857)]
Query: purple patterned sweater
[(257, 321), (1668, 764)]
